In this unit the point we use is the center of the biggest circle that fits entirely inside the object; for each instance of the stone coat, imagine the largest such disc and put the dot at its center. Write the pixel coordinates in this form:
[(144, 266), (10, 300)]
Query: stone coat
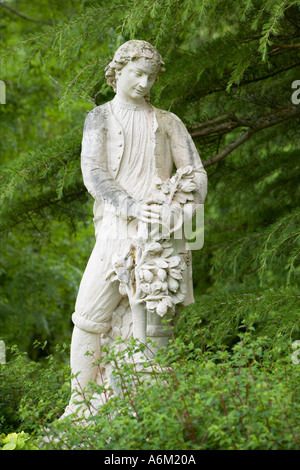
[(102, 152)]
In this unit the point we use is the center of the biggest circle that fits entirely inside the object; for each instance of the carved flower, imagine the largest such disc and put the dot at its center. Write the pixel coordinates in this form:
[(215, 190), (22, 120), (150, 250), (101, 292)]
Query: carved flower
[(157, 287), (146, 287)]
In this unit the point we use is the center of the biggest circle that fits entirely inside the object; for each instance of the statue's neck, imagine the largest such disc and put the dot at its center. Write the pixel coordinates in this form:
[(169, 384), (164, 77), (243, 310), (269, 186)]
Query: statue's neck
[(130, 105)]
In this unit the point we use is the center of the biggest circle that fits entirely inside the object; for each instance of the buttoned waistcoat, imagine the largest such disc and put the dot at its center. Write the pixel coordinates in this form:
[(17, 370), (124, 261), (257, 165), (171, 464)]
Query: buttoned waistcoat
[(103, 147)]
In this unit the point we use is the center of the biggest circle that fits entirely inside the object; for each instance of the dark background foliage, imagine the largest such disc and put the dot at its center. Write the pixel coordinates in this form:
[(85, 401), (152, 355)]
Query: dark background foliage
[(230, 67)]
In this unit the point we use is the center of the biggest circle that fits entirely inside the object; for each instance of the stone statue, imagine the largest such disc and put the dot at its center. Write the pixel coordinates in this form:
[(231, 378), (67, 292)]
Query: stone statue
[(139, 271)]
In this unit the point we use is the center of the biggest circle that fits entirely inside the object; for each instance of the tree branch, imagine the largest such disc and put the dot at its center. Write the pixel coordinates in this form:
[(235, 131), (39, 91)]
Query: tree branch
[(16, 12), (255, 125)]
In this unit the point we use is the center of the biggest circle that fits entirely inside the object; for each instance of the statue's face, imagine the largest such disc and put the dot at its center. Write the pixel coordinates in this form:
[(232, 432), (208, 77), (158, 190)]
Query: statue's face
[(135, 80)]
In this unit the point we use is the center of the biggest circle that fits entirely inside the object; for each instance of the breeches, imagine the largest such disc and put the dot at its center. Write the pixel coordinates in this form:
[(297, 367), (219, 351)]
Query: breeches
[(98, 297)]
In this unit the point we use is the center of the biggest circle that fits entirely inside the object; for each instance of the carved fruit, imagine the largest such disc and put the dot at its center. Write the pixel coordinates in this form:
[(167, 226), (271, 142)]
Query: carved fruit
[(173, 285), (161, 274), (147, 275), (161, 309)]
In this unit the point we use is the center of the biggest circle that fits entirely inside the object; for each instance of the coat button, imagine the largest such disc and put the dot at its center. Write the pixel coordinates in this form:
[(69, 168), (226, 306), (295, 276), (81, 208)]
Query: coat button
[(114, 168)]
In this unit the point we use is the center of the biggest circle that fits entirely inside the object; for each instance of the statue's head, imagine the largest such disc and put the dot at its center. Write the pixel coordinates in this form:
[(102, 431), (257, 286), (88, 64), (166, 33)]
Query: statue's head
[(134, 51)]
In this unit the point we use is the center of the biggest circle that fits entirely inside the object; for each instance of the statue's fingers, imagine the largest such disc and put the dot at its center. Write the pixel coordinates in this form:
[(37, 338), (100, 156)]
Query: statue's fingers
[(151, 215)]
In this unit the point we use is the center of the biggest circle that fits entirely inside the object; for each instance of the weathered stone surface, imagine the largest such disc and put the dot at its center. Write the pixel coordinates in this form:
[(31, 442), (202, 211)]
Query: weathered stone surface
[(139, 273)]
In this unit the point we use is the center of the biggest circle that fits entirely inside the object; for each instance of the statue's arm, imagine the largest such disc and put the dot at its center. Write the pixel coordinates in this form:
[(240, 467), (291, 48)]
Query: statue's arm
[(96, 176), (184, 152)]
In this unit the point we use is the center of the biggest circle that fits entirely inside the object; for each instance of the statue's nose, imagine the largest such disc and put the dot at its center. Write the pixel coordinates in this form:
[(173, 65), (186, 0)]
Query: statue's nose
[(143, 82)]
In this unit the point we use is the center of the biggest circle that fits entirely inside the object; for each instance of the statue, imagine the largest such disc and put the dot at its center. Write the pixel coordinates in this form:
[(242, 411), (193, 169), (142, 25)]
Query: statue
[(129, 150)]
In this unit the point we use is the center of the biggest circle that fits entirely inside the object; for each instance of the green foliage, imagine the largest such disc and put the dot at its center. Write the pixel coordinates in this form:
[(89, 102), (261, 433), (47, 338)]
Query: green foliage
[(17, 441), (233, 62), (42, 387), (218, 320), (187, 400)]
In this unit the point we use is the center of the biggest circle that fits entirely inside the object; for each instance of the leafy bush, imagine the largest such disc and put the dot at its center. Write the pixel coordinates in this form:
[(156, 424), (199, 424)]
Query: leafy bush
[(239, 399), (14, 441), (44, 387)]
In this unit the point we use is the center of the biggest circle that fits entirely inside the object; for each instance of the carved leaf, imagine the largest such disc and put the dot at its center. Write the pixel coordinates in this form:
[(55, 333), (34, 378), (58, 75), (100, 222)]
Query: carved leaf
[(167, 252), (161, 263), (154, 247), (122, 289), (151, 304), (128, 262), (174, 261), (179, 297), (123, 275), (175, 273), (157, 180)]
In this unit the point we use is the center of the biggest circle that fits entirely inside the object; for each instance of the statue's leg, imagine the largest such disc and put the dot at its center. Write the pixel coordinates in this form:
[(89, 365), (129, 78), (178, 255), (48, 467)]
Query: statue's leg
[(85, 352), (97, 299)]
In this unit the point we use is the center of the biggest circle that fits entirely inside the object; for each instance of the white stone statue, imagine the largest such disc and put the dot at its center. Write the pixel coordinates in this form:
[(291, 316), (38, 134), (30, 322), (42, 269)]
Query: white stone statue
[(139, 271)]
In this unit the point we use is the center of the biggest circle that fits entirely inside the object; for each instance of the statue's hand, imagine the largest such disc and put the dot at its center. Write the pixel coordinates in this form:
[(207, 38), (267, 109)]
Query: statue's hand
[(169, 218), (148, 212), (187, 186)]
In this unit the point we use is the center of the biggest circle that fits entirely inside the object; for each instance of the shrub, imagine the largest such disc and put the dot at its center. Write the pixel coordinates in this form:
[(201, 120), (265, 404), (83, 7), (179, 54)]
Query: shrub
[(43, 386), (192, 399), (14, 441)]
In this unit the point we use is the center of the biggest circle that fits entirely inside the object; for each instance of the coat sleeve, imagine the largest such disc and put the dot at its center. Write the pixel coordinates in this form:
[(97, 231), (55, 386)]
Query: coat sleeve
[(96, 176), (184, 153)]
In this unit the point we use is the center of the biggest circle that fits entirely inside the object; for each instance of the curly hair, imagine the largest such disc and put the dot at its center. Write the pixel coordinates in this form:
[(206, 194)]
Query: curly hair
[(132, 50)]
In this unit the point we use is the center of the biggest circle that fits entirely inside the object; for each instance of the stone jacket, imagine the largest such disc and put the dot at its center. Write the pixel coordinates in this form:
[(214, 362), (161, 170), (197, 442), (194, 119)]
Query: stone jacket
[(102, 151)]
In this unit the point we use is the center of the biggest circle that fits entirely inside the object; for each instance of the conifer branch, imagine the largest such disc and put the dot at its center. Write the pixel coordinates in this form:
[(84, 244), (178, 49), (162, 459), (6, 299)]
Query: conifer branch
[(232, 122), (21, 15)]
